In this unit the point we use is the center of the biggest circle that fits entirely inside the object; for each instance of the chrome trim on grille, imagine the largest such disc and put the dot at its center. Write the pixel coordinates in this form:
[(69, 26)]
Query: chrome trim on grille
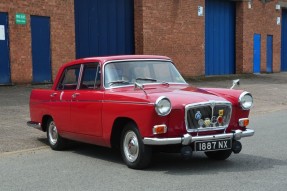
[(212, 104)]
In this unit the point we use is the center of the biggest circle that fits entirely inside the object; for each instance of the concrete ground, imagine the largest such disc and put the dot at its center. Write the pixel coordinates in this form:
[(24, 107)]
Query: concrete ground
[(269, 92)]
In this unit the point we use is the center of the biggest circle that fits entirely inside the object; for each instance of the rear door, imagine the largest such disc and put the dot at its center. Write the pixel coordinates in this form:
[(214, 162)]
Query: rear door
[(61, 98)]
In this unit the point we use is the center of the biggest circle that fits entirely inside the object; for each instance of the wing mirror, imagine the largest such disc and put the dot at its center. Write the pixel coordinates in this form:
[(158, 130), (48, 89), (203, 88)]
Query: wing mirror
[(235, 83)]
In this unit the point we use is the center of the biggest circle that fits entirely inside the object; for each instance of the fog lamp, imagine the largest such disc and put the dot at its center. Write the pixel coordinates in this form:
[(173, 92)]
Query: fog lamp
[(159, 129)]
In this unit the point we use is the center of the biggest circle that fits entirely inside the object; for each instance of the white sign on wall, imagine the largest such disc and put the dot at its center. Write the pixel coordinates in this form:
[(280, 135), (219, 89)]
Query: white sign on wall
[(200, 11), (2, 32), (278, 20)]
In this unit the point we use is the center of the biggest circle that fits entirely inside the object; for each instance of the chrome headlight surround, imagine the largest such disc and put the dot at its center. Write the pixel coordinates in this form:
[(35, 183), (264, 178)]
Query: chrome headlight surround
[(162, 106), (245, 100)]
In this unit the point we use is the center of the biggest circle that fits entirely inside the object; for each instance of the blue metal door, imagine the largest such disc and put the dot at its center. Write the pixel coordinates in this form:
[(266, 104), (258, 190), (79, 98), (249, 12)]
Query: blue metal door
[(104, 27), (284, 41), (4, 50), (41, 52), (219, 37), (269, 54), (256, 53)]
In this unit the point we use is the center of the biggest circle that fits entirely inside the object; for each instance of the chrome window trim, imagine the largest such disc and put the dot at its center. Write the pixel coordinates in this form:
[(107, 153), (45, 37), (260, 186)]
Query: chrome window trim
[(212, 104), (128, 60)]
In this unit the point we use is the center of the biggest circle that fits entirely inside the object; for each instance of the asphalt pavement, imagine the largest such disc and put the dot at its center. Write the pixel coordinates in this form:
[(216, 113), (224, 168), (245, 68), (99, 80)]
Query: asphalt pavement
[(269, 92)]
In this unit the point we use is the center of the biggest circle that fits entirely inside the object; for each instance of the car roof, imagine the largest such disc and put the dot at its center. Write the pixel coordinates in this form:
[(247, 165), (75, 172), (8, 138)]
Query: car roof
[(103, 59)]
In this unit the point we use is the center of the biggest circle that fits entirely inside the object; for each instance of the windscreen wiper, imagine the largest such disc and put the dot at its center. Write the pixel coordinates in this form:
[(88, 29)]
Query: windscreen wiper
[(118, 82), (146, 79)]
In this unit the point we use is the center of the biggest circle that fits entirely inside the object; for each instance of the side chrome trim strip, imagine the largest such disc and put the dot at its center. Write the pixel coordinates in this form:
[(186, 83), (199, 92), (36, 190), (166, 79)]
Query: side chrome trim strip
[(188, 139)]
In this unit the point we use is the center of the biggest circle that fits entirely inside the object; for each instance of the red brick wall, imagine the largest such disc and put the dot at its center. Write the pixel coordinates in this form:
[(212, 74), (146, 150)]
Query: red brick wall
[(61, 13), (260, 19), (174, 29)]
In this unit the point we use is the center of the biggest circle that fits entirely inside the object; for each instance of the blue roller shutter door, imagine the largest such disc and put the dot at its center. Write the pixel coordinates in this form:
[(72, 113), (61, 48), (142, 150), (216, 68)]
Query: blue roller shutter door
[(4, 50), (219, 37), (104, 27)]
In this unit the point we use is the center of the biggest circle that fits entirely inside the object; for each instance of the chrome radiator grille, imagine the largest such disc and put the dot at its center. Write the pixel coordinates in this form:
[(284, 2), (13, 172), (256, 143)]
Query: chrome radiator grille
[(207, 116)]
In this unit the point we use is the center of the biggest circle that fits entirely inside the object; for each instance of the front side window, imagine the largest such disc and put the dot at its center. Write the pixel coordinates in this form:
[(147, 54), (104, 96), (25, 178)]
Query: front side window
[(123, 73), (69, 79), (91, 78)]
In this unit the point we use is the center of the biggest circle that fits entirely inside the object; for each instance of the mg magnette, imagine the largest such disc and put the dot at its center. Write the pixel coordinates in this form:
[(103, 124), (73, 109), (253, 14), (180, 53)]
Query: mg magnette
[(139, 104)]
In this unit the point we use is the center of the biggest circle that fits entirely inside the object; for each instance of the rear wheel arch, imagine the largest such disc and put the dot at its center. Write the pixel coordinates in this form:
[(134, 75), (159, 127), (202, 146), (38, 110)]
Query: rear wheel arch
[(45, 120), (117, 129)]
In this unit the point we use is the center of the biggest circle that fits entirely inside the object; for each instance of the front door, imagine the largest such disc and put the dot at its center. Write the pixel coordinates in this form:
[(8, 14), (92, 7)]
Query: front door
[(86, 105)]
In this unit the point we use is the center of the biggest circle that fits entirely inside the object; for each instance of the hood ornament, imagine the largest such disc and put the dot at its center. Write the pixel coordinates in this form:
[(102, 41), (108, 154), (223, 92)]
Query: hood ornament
[(235, 83)]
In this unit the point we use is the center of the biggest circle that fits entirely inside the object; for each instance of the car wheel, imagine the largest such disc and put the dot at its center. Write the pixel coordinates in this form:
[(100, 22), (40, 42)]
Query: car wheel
[(135, 154), (218, 155), (56, 142)]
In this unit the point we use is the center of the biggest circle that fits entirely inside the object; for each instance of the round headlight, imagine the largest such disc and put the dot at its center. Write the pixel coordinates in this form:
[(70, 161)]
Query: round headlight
[(162, 106), (246, 100)]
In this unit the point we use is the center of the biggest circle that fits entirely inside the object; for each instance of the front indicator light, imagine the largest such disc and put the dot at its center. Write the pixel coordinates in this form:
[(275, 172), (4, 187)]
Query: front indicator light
[(159, 129), (243, 122)]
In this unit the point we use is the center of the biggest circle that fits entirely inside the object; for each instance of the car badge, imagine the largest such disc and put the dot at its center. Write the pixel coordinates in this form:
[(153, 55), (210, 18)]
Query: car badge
[(198, 115), (221, 112), (220, 119), (213, 120), (207, 122), (200, 123)]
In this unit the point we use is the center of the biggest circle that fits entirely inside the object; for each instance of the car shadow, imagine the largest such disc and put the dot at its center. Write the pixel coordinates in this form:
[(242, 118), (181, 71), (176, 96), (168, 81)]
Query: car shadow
[(200, 164), (174, 164)]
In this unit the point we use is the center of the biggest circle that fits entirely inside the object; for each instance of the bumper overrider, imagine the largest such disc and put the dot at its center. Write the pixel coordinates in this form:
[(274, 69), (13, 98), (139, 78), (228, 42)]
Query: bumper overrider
[(187, 139)]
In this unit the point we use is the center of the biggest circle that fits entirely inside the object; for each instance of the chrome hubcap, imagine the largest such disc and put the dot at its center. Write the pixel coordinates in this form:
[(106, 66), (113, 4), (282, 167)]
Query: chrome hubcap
[(53, 133), (131, 146)]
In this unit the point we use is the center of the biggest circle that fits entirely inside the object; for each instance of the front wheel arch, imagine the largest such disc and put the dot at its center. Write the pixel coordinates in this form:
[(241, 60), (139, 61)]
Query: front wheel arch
[(134, 152), (117, 130)]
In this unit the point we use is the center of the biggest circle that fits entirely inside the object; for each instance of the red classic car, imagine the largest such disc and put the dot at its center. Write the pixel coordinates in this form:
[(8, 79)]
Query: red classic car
[(138, 104)]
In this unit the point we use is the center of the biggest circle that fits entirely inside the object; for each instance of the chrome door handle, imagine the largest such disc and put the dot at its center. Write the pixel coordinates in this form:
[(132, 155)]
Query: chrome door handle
[(53, 94), (75, 95)]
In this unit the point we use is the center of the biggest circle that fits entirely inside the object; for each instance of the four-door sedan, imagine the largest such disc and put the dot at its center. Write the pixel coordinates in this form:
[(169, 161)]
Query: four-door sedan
[(139, 104)]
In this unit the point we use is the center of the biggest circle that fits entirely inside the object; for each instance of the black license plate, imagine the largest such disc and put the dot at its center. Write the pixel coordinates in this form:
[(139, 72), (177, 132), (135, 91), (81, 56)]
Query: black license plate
[(213, 145)]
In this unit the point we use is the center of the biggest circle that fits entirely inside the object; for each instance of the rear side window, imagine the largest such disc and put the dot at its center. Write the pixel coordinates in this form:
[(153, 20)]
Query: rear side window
[(69, 79)]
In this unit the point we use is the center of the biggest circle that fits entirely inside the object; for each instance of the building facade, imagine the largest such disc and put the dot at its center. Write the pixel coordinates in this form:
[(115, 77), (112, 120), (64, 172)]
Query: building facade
[(203, 37)]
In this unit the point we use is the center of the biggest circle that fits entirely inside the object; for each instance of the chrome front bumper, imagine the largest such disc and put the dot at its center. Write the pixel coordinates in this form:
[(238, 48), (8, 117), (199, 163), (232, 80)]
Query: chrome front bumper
[(188, 139)]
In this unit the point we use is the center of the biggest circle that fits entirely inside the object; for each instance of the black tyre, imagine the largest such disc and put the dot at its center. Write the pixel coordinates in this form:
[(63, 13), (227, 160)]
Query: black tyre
[(56, 142), (218, 155), (135, 154)]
